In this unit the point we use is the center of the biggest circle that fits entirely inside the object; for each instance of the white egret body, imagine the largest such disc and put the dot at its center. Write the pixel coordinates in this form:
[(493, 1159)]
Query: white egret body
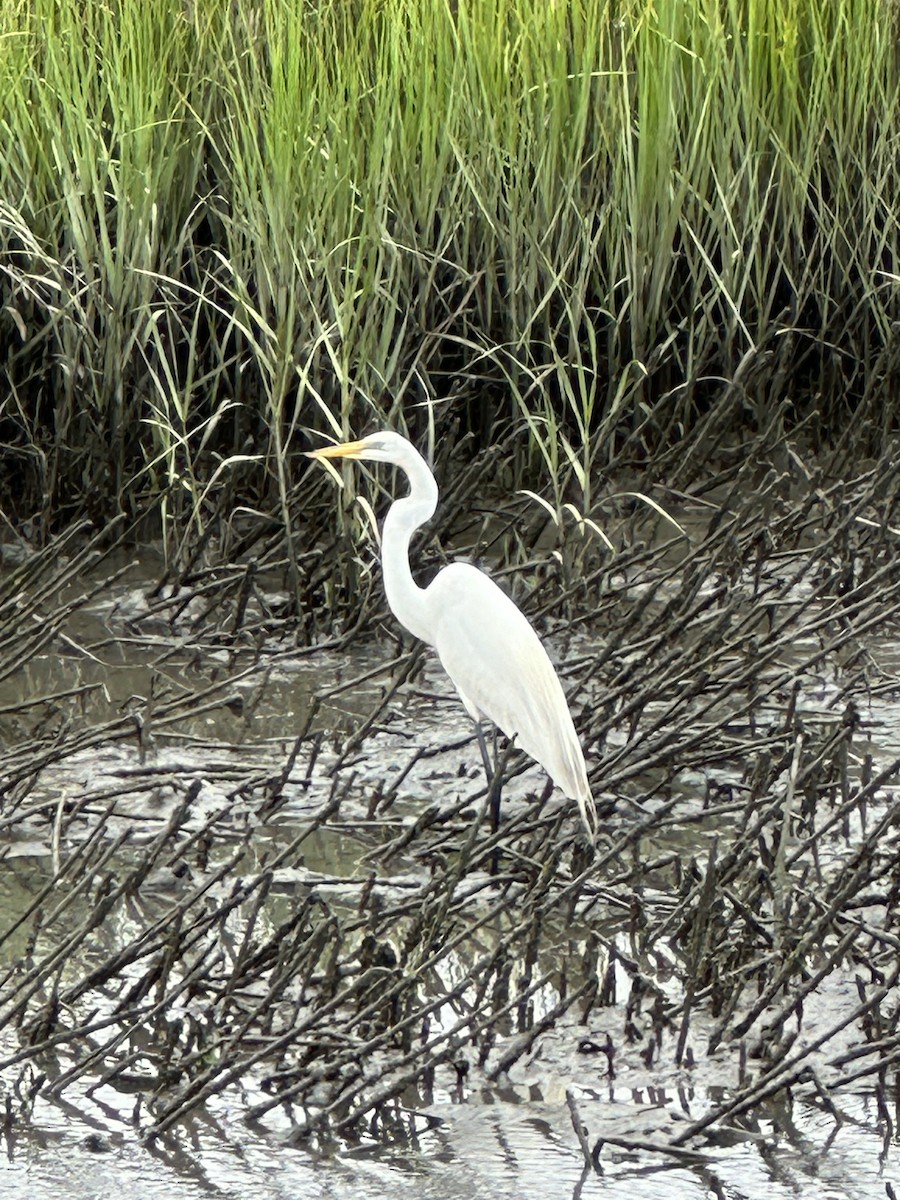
[(486, 645)]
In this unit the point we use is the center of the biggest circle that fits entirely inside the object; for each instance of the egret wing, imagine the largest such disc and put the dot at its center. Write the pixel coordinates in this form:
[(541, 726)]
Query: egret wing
[(500, 667)]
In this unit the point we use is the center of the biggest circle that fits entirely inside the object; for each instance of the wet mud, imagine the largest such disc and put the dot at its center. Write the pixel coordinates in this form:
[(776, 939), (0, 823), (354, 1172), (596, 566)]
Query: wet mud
[(257, 937)]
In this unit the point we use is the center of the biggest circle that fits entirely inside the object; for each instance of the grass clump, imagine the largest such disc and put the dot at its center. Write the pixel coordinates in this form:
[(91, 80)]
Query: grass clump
[(628, 228)]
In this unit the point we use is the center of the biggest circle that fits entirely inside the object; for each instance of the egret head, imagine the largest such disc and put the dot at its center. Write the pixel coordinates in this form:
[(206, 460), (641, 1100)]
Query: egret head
[(385, 446)]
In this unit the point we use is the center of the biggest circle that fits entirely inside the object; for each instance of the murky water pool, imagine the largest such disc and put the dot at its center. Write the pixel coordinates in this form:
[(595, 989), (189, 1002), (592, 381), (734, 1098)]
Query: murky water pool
[(305, 838)]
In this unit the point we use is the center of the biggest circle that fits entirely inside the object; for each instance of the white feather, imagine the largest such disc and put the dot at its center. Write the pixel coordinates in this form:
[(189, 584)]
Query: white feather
[(486, 645)]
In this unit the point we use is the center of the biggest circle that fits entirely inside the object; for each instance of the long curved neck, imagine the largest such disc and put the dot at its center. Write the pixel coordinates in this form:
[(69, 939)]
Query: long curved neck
[(404, 596)]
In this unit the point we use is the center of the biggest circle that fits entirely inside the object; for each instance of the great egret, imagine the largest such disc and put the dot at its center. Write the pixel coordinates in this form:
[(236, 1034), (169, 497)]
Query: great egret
[(485, 644)]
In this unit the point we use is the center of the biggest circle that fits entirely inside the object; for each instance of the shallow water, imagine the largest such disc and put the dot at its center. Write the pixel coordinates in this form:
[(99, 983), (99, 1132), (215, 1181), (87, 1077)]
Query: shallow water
[(468, 1135), (502, 1148)]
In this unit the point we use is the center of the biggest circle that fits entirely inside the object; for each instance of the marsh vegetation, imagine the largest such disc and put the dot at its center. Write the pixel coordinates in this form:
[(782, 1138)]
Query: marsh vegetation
[(619, 234), (248, 878), (605, 264)]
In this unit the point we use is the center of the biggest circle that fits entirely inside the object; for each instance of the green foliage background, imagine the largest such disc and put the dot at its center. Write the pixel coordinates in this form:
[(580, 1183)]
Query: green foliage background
[(623, 229)]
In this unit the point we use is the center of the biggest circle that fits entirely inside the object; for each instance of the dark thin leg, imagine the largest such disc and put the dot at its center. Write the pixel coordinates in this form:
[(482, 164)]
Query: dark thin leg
[(494, 777), (482, 746)]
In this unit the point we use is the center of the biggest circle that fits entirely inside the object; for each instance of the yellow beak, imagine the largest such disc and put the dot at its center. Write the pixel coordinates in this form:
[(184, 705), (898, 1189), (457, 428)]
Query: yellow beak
[(343, 450)]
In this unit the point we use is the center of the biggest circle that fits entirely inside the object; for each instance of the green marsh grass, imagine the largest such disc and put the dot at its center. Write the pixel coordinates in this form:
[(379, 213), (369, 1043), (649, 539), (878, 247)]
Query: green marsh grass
[(631, 231)]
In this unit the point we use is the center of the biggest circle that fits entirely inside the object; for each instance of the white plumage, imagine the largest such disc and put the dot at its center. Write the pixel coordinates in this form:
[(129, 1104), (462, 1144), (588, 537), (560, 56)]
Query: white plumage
[(485, 644)]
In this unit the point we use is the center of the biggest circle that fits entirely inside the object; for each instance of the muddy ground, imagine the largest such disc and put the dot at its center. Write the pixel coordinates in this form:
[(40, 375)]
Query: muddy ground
[(256, 935)]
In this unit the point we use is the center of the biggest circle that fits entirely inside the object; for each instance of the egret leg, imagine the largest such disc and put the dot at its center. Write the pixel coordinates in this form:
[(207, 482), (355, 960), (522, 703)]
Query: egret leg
[(494, 777), (482, 746)]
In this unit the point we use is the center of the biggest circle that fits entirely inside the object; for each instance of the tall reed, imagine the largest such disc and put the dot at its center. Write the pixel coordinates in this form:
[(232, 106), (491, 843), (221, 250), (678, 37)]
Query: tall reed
[(621, 226)]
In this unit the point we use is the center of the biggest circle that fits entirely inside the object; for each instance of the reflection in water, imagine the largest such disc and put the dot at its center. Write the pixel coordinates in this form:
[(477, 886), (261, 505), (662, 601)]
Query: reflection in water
[(475, 1151), (475, 1125)]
